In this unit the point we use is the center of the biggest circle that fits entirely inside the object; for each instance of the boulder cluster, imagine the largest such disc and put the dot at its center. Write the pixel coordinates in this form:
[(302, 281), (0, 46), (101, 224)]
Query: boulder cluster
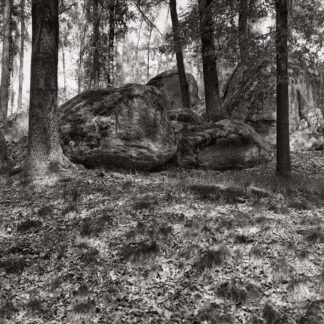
[(144, 127)]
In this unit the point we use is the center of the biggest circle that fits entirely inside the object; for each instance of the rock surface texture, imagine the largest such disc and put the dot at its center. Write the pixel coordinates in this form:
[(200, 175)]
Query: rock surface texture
[(16, 126), (168, 82), (124, 127), (223, 145), (250, 97)]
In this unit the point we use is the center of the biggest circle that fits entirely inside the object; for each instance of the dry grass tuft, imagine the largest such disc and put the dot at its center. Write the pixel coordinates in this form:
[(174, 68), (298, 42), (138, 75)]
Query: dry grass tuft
[(211, 258), (29, 225), (140, 251), (35, 306), (300, 204), (314, 235), (233, 292), (45, 211), (89, 255), (228, 194), (13, 264), (83, 306), (212, 315), (271, 314), (146, 201), (7, 309), (94, 226), (243, 239)]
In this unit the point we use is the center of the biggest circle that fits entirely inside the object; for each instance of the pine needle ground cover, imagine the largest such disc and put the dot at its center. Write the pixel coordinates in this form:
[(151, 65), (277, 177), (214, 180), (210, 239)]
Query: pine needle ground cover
[(175, 246)]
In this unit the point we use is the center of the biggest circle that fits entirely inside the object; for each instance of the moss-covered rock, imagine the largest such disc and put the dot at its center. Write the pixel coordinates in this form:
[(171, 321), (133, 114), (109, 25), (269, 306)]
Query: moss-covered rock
[(125, 127), (223, 145)]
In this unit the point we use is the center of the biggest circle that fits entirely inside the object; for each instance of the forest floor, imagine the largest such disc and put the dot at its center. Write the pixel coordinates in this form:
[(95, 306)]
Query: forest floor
[(165, 247)]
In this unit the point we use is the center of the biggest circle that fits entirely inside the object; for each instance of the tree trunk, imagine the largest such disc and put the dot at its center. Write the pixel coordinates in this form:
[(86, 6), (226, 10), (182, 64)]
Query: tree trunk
[(44, 155), (6, 64), (111, 42), (64, 72), (21, 54), (148, 53), (244, 30), (184, 86), (80, 61), (212, 97), (4, 161), (96, 32), (283, 149)]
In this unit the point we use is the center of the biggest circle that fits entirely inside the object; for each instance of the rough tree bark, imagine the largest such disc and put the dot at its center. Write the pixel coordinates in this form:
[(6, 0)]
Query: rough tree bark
[(95, 44), (44, 155), (283, 149), (211, 86), (6, 64), (4, 160), (64, 72), (111, 42), (184, 86), (244, 30), (21, 54)]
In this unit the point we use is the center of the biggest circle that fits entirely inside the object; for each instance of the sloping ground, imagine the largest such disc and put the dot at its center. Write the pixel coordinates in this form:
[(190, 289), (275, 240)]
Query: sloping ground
[(167, 247)]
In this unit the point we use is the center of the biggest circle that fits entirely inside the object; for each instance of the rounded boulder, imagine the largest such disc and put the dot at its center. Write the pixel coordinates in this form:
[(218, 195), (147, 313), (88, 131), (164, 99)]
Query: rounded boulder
[(125, 127)]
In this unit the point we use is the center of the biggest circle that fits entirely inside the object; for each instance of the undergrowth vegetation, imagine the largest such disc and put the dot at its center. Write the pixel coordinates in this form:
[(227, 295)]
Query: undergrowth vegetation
[(175, 246)]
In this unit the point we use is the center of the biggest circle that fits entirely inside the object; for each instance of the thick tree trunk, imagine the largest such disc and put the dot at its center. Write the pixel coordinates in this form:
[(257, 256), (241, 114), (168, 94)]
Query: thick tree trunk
[(96, 40), (212, 97), (111, 42), (244, 30), (44, 155), (283, 149), (6, 64), (21, 54), (184, 86)]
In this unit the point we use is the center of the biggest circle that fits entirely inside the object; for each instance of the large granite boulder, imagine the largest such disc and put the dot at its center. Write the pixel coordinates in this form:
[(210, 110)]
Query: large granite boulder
[(250, 97), (226, 144), (124, 127), (168, 82)]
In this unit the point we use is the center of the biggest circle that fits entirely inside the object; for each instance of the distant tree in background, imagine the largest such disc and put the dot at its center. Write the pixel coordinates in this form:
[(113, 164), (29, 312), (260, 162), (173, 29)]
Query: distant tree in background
[(244, 30), (184, 86), (21, 53), (6, 60), (283, 150)]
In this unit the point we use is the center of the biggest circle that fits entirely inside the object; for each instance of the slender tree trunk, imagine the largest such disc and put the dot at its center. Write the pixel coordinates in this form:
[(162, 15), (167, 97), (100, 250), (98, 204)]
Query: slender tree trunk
[(64, 72), (80, 61), (21, 54), (96, 32), (283, 149), (44, 154), (6, 61), (244, 30), (184, 86), (111, 41), (136, 72), (212, 96), (148, 54)]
